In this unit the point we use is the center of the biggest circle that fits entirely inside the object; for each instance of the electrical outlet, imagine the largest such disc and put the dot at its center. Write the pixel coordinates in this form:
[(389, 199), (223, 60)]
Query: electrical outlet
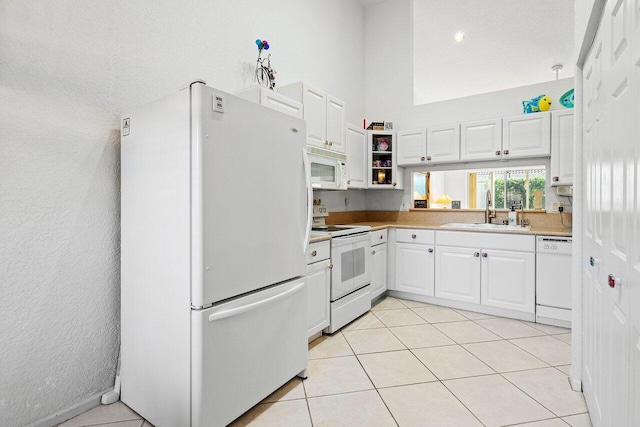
[(556, 205)]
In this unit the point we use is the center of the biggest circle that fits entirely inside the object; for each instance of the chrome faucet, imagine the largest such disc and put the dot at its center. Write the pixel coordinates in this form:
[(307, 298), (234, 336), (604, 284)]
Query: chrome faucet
[(488, 213)]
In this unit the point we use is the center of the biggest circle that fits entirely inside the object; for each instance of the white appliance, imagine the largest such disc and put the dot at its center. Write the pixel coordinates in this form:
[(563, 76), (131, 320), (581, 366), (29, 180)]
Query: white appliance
[(328, 169), (213, 302), (553, 280)]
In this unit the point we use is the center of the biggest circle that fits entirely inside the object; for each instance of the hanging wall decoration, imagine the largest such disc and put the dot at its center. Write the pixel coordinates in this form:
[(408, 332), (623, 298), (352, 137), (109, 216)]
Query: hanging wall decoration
[(265, 75)]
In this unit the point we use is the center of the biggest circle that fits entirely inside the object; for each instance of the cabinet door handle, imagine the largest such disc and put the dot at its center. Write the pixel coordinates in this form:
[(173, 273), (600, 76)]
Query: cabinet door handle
[(429, 158), (314, 253), (413, 236), (330, 143), (497, 152), (422, 158), (593, 261), (395, 183), (330, 265), (294, 130), (484, 255), (381, 237), (373, 252), (476, 254), (506, 152), (555, 179), (326, 143), (349, 182), (430, 250), (613, 281)]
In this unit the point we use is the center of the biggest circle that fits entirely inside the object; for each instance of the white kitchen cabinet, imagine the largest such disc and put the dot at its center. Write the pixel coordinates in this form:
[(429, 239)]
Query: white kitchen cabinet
[(481, 140), (495, 270), (412, 147), (324, 114), (457, 274), (414, 268), (357, 156), (443, 143), (383, 167), (508, 280), (526, 135), (561, 170), (379, 263), (318, 280), (264, 96)]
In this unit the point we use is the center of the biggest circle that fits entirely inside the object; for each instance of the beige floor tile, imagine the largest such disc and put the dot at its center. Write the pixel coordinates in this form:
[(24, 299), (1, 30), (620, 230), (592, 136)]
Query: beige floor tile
[(135, 423), (394, 368), (547, 348), (451, 362), (566, 338), (147, 424), (418, 336), (547, 329), (329, 346), (472, 315), (509, 328), (290, 391), (504, 356), (565, 369), (428, 404), (363, 408), (414, 304), (439, 314), (388, 303), (103, 414), (581, 420), (495, 401), (373, 341), (400, 317), (366, 321), (288, 413), (553, 422), (466, 332), (336, 375), (551, 389)]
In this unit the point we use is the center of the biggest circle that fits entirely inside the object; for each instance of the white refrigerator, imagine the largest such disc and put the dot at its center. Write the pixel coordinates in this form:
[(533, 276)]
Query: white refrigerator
[(216, 215)]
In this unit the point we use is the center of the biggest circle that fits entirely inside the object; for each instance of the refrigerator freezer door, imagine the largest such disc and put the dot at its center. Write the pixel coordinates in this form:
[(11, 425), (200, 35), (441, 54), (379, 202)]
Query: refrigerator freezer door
[(249, 201), (245, 349)]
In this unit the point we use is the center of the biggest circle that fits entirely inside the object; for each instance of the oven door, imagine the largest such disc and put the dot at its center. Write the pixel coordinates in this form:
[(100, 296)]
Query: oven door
[(351, 259)]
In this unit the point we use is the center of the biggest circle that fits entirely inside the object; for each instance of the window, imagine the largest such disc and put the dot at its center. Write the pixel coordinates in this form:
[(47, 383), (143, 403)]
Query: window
[(508, 187)]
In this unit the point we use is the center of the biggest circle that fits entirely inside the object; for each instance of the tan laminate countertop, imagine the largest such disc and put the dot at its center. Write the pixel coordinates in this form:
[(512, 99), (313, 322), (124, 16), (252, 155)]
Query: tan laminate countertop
[(319, 238), (535, 230)]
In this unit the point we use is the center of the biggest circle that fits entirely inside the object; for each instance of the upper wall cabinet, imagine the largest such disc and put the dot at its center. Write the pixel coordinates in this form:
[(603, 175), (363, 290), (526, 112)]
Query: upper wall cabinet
[(526, 135), (325, 115), (443, 144), (412, 147), (383, 169), (357, 156), (267, 97), (562, 147), (481, 140)]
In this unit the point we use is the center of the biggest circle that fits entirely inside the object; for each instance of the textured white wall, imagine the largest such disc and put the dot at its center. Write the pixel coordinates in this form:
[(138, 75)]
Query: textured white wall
[(68, 69)]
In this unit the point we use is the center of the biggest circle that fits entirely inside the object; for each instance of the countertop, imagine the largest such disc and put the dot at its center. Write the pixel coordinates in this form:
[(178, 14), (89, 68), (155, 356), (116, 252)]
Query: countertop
[(535, 230), (319, 238)]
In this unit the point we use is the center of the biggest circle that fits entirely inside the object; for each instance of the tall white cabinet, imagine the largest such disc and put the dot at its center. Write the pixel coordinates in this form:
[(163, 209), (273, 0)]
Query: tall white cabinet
[(561, 170), (357, 156), (611, 219)]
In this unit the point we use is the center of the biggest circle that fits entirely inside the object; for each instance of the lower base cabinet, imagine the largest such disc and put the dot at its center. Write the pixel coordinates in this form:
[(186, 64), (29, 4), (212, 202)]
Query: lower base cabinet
[(508, 280), (379, 270), (414, 268), (318, 280), (457, 274)]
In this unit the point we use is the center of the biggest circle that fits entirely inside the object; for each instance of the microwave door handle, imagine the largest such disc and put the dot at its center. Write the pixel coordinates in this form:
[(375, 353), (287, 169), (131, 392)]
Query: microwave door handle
[(338, 175), (307, 176)]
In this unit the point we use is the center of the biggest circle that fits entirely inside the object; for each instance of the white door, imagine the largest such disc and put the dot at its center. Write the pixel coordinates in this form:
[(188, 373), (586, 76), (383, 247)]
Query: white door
[(229, 344), (508, 280), (526, 135), (412, 147), (357, 158), (414, 268), (457, 274), (280, 102), (481, 140), (378, 270), (262, 256), (443, 143), (315, 114), (335, 124), (561, 147), (318, 294)]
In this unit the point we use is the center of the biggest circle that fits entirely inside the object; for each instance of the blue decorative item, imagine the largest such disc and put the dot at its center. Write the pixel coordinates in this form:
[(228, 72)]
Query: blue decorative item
[(568, 99), (537, 104)]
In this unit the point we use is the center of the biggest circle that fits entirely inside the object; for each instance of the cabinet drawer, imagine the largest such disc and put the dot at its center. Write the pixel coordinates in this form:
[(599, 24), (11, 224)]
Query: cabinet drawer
[(415, 236), (318, 251), (472, 239), (378, 237)]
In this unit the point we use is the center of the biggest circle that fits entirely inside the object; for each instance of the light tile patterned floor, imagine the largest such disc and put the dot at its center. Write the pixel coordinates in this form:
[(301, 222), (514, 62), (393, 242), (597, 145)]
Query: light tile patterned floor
[(408, 363)]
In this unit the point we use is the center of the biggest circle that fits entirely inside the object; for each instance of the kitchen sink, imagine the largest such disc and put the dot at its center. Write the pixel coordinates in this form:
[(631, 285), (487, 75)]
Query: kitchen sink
[(485, 226)]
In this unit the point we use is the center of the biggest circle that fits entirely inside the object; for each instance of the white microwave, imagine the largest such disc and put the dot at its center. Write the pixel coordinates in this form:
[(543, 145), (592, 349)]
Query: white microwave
[(328, 169)]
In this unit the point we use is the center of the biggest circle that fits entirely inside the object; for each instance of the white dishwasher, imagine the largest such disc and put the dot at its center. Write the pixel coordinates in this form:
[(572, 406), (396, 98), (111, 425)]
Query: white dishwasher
[(553, 280)]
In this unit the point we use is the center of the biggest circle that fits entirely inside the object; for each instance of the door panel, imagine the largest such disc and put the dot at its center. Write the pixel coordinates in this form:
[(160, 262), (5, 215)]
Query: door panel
[(457, 274), (443, 143), (414, 268), (318, 294), (481, 140), (379, 270), (335, 124), (356, 148), (527, 135), (315, 113), (508, 280), (412, 147)]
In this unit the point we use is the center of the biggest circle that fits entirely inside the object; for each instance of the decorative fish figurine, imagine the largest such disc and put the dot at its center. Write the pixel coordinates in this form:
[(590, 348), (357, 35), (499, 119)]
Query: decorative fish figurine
[(537, 104), (568, 99)]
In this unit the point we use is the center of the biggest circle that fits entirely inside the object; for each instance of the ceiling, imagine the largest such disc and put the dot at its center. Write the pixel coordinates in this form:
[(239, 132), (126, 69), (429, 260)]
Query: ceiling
[(508, 43)]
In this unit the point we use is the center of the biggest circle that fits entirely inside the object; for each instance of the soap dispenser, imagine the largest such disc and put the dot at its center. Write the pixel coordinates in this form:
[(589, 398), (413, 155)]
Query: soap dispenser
[(512, 216)]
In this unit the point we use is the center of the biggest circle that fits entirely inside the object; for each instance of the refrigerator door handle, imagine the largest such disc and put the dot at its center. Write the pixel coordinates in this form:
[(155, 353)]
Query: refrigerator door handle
[(255, 305), (307, 175)]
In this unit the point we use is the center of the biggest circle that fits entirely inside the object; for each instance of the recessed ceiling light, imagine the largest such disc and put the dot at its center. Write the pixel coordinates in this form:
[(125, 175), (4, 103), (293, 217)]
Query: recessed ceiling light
[(459, 37)]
